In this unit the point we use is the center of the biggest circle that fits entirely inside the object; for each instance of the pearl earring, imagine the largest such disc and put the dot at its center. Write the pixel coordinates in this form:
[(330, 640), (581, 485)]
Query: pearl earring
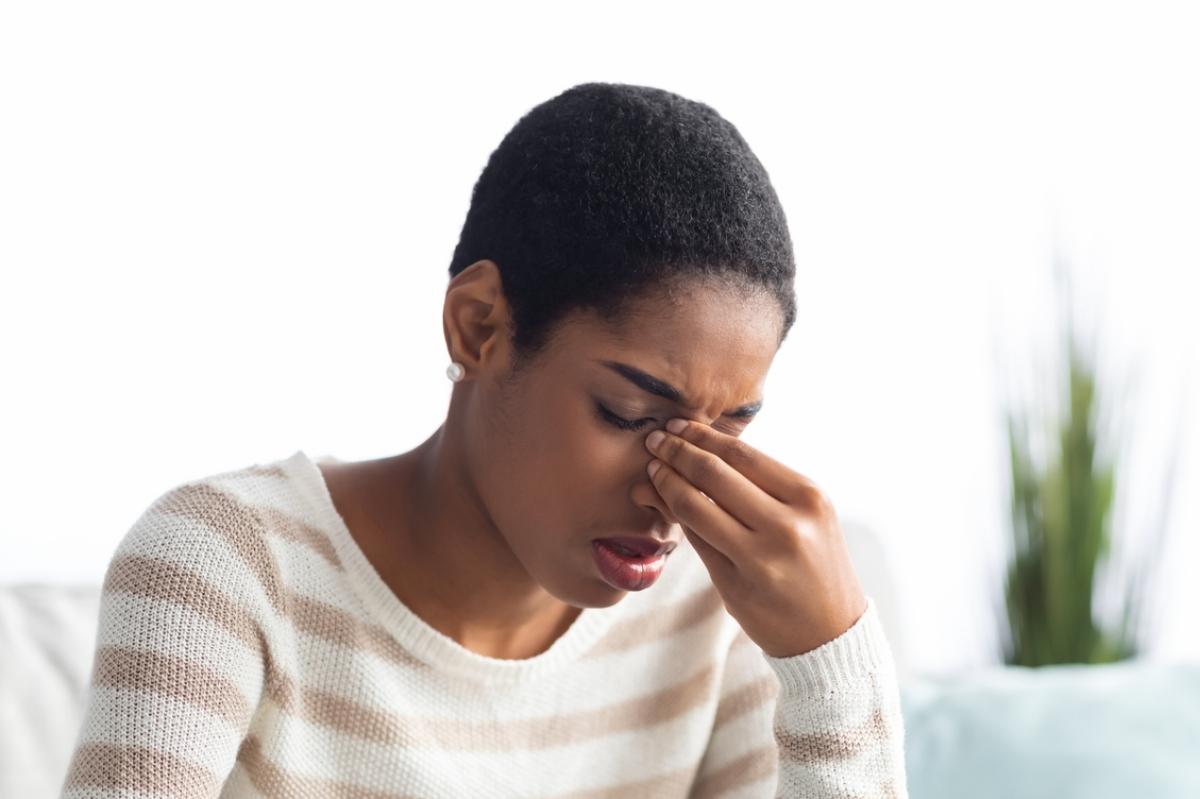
[(455, 371)]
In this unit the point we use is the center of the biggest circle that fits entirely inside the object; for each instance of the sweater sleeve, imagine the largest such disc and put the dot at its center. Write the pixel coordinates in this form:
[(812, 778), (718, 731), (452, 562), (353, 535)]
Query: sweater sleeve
[(179, 659), (835, 721)]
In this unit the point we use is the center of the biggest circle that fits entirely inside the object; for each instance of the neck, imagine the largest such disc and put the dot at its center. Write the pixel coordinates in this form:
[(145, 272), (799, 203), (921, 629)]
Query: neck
[(459, 573)]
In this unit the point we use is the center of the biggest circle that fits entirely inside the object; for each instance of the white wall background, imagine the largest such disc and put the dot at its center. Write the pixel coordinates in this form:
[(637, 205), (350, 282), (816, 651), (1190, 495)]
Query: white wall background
[(224, 230)]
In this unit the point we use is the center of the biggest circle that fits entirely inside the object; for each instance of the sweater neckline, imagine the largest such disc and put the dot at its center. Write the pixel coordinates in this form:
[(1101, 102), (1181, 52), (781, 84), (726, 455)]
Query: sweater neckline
[(410, 630)]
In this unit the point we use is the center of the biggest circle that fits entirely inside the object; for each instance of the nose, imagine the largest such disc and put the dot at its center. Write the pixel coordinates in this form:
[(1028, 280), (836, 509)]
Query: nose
[(646, 495)]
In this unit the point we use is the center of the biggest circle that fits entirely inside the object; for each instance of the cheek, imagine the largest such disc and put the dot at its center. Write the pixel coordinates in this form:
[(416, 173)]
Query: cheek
[(568, 462), (578, 466), (596, 446), (609, 467)]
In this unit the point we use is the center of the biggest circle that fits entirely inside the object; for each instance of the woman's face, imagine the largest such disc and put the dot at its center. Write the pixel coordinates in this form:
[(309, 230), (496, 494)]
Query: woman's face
[(558, 456)]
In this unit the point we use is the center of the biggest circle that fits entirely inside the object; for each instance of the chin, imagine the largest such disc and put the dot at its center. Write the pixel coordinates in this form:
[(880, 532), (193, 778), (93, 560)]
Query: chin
[(591, 593)]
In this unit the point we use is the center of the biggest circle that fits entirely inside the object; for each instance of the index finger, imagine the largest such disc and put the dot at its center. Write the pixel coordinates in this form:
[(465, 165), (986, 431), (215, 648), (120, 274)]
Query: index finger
[(772, 476)]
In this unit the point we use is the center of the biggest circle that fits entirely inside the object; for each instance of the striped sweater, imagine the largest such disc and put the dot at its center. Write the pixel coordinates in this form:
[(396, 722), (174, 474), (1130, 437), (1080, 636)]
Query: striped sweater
[(247, 648)]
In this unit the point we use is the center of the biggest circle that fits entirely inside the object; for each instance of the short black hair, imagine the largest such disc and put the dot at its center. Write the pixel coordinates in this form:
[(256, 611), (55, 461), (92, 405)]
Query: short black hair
[(609, 190)]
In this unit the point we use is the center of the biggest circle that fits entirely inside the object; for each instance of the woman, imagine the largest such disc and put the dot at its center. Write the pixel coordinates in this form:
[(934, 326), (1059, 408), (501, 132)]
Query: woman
[(561, 592)]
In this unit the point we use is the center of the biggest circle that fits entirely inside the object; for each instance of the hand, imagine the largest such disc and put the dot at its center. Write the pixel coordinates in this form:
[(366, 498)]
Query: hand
[(769, 537)]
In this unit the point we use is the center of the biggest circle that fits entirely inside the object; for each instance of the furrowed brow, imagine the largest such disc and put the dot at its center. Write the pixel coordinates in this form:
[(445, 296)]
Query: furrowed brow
[(661, 388)]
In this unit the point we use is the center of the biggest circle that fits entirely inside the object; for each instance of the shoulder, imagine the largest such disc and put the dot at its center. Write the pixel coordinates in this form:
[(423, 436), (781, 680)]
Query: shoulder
[(210, 530)]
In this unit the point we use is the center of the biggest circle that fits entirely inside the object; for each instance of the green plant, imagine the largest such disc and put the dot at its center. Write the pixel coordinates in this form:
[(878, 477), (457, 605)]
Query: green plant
[(1061, 527)]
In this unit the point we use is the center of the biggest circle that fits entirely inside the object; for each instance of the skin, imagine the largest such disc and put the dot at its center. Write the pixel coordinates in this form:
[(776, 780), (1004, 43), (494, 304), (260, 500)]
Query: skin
[(485, 528)]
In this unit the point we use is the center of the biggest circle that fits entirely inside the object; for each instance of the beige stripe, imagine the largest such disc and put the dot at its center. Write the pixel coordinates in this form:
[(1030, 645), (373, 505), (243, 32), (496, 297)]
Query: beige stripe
[(284, 524), (243, 527), (654, 625), (742, 641), (742, 700), (233, 519), (886, 791), (157, 579), (463, 735), (840, 745), (123, 667), (274, 781), (287, 526), (137, 768), (751, 767), (261, 470), (322, 708), (339, 627), (673, 784), (236, 522)]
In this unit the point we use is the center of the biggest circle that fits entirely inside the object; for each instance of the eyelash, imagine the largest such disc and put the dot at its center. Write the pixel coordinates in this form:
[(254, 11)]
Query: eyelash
[(617, 421)]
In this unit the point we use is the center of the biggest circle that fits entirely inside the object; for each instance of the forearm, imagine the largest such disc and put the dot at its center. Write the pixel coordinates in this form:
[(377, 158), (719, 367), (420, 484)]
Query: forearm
[(838, 724)]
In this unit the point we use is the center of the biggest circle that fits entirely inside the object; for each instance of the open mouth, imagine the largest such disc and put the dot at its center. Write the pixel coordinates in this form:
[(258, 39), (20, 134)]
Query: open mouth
[(637, 546), (626, 568)]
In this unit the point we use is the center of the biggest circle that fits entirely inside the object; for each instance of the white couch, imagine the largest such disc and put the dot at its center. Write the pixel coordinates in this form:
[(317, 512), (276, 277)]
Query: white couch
[(47, 635)]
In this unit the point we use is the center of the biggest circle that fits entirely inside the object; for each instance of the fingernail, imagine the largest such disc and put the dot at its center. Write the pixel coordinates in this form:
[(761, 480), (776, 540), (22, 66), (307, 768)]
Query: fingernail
[(655, 438), (676, 425)]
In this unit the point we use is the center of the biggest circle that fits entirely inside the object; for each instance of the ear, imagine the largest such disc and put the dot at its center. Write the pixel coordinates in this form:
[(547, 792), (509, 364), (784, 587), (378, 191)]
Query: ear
[(475, 316)]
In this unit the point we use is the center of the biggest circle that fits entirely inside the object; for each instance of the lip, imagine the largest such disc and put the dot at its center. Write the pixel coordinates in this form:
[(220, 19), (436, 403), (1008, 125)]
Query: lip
[(644, 546), (630, 572)]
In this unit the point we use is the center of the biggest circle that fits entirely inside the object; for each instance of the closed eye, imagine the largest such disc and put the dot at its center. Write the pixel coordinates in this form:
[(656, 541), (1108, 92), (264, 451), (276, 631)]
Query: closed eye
[(621, 422)]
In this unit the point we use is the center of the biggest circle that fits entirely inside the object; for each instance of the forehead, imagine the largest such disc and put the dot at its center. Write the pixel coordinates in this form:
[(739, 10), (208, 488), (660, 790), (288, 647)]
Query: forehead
[(714, 345)]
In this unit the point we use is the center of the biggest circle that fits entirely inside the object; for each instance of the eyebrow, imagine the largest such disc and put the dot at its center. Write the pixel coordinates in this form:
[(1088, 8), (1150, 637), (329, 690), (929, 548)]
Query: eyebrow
[(650, 383)]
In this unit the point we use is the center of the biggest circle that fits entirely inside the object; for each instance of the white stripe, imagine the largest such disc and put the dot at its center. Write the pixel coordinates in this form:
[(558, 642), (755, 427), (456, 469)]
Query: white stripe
[(323, 753), (128, 716), (238, 785), (96, 792), (754, 790), (740, 736), (198, 548), (171, 629), (606, 681)]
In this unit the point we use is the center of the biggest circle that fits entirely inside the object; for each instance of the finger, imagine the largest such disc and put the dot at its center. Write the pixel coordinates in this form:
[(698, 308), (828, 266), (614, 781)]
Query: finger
[(728, 487), (707, 519), (770, 475), (719, 567)]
